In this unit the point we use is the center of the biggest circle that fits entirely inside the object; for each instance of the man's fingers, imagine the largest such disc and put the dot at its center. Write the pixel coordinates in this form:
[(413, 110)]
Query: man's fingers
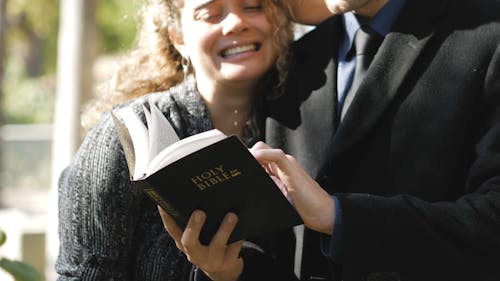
[(260, 145), (267, 154)]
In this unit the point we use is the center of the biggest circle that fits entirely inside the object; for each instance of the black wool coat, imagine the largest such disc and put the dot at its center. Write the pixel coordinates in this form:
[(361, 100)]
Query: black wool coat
[(415, 163)]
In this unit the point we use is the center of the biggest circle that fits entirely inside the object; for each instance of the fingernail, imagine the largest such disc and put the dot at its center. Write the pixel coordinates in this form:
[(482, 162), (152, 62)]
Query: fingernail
[(198, 216), (230, 218)]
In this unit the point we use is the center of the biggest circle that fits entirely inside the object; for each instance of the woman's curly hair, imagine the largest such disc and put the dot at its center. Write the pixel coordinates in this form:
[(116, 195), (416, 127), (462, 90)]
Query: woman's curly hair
[(155, 65)]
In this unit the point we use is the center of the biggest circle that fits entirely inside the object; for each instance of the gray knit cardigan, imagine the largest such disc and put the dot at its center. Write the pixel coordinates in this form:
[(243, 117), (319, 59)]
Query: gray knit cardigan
[(108, 228)]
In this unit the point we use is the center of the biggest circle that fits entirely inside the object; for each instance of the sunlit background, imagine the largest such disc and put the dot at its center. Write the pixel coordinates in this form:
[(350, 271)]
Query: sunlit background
[(80, 39)]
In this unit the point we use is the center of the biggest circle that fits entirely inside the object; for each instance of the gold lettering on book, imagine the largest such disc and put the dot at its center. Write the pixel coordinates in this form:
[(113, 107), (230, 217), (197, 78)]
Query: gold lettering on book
[(214, 176), (162, 202)]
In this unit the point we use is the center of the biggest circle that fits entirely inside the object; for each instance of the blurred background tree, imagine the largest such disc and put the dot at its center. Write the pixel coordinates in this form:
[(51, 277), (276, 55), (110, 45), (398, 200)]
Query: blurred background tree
[(29, 60), (116, 25), (28, 80), (30, 53)]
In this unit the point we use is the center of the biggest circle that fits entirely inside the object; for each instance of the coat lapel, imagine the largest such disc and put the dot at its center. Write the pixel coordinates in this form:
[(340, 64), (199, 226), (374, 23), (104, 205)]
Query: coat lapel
[(304, 112), (389, 69)]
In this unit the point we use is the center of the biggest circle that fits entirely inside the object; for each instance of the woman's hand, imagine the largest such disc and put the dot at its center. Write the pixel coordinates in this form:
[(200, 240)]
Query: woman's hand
[(314, 205), (219, 261)]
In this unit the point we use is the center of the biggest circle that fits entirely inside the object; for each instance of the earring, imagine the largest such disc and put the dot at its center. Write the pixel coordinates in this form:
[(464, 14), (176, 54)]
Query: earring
[(185, 63)]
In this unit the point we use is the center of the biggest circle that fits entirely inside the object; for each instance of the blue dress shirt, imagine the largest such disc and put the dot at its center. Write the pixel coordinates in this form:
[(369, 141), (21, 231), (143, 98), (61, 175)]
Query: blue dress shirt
[(381, 23)]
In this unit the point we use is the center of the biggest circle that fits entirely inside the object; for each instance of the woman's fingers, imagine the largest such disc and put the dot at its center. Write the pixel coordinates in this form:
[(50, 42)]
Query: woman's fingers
[(219, 241), (233, 250), (188, 240), (227, 226), (171, 227), (191, 238), (218, 260), (218, 248)]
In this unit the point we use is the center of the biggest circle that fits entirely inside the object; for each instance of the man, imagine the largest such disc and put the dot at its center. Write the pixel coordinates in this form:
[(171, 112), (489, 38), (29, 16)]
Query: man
[(412, 157)]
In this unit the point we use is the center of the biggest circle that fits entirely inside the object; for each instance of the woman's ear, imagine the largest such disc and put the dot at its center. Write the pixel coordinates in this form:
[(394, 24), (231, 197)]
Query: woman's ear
[(176, 37)]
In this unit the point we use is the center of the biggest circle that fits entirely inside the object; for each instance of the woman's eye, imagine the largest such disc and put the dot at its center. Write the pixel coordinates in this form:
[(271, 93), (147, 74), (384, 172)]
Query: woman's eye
[(208, 16), (253, 8)]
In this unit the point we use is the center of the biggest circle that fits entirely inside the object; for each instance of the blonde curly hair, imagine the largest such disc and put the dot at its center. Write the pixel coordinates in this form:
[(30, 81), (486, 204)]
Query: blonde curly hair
[(155, 64)]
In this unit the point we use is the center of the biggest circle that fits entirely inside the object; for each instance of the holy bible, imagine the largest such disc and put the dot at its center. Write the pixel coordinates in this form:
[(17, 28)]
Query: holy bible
[(208, 171)]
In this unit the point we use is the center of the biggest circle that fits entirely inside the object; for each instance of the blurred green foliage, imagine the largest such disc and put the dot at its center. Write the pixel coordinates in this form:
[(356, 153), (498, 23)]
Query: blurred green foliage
[(19, 270), (116, 22), (27, 99), (33, 22), (3, 237), (31, 52)]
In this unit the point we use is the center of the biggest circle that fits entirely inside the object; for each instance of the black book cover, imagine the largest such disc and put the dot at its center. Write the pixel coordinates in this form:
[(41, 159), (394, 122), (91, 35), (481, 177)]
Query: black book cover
[(213, 172), (217, 179)]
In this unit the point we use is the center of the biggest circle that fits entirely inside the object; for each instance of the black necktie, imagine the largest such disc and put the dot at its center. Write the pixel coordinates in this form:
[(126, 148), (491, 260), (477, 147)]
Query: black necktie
[(366, 43)]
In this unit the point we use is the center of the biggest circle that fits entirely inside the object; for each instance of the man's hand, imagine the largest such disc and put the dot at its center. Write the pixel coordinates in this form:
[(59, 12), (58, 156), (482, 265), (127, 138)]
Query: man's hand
[(314, 205), (219, 261)]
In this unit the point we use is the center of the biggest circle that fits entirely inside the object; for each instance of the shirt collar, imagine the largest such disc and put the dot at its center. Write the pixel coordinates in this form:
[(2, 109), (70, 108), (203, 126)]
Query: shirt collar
[(381, 23), (385, 18)]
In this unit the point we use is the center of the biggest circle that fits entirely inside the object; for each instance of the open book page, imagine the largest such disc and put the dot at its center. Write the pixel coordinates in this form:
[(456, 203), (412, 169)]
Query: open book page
[(126, 141), (157, 144), (140, 140), (161, 132), (182, 148), (209, 171)]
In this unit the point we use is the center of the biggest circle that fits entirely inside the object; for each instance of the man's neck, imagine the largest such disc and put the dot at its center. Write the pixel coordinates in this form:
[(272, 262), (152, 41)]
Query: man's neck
[(370, 9)]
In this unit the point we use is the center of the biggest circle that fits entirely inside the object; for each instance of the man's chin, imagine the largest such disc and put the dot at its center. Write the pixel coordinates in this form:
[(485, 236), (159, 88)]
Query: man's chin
[(344, 6)]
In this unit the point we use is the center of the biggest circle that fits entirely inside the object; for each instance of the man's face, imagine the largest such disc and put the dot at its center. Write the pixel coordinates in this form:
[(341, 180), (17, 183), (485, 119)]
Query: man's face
[(365, 8), (343, 6)]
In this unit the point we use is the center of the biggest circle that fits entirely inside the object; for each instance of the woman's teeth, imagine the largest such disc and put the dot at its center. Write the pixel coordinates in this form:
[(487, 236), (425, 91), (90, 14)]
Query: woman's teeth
[(238, 50)]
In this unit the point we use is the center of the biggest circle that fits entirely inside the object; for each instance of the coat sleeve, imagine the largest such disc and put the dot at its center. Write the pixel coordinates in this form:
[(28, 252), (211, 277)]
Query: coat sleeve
[(459, 237)]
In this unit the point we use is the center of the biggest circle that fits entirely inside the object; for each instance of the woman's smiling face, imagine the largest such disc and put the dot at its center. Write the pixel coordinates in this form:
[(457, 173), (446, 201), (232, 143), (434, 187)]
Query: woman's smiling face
[(227, 40)]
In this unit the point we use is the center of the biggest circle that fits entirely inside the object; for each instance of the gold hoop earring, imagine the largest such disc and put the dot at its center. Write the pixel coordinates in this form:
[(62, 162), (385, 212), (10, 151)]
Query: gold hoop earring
[(185, 63)]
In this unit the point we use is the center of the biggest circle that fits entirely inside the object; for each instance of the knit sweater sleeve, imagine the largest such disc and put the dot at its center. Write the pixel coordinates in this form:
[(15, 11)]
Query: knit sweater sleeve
[(98, 210)]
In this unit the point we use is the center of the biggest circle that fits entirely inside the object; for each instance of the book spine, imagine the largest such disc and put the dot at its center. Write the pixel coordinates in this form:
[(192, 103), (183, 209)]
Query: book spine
[(166, 205)]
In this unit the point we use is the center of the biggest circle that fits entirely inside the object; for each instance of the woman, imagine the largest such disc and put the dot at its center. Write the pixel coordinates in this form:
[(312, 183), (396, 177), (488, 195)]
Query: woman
[(109, 229)]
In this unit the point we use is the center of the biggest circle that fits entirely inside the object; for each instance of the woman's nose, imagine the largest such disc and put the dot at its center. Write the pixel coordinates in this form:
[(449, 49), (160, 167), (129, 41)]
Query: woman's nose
[(234, 23)]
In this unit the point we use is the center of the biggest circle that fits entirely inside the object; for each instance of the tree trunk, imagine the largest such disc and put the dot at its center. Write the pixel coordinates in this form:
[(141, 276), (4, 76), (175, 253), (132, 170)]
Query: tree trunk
[(75, 57)]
